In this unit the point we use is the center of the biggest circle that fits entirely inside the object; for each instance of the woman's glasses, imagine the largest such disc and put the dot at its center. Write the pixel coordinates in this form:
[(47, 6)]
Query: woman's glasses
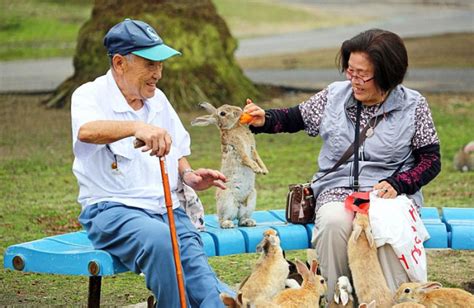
[(357, 79)]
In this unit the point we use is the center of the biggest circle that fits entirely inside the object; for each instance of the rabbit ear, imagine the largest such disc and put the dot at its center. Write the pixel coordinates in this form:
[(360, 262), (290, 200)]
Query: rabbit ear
[(337, 293), (429, 286), (370, 236), (344, 298), (228, 300), (263, 246), (204, 120), (356, 232), (208, 107), (302, 268), (369, 305), (314, 266)]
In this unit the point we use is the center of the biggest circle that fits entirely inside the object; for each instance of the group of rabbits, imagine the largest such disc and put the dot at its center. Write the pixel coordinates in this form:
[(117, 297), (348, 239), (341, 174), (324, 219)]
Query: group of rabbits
[(265, 287), (239, 163), (370, 285)]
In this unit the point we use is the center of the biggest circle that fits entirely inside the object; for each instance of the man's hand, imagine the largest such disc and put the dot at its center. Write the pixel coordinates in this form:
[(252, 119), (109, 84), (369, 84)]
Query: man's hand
[(156, 139), (257, 113), (202, 179), (386, 191)]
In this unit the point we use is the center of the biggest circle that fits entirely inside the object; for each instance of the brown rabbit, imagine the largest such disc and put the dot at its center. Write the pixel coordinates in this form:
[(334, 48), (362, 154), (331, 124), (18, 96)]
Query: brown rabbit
[(270, 272), (240, 161), (464, 158), (372, 304), (309, 295), (432, 294), (408, 305), (367, 275)]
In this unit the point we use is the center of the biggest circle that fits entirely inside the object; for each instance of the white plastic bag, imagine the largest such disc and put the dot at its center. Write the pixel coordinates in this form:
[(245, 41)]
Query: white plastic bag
[(396, 222)]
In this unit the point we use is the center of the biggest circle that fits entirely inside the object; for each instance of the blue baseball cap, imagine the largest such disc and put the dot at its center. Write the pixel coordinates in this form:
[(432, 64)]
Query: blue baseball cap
[(138, 38)]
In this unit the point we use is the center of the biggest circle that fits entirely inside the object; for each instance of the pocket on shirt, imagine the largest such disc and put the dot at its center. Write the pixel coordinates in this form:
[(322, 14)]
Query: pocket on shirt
[(123, 154)]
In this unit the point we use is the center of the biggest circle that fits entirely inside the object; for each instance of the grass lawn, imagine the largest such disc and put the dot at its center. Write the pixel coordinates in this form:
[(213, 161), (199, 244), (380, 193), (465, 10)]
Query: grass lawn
[(442, 51), (38, 192)]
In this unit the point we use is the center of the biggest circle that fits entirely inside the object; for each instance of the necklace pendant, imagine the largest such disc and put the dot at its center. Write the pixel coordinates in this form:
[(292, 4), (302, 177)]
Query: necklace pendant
[(370, 132)]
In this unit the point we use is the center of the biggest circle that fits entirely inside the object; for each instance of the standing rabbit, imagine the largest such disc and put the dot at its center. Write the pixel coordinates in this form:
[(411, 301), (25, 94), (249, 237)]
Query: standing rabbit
[(240, 161), (367, 275), (309, 295), (270, 272), (431, 294)]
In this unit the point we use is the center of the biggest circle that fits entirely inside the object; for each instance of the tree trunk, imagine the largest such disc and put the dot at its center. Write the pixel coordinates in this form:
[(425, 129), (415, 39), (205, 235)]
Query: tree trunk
[(207, 70)]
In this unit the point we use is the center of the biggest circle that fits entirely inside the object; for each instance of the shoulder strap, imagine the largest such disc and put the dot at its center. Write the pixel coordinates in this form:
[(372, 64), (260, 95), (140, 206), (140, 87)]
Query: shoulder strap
[(350, 150)]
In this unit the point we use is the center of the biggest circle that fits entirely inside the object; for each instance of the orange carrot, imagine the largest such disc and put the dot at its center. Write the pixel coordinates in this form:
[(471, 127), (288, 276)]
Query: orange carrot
[(245, 118)]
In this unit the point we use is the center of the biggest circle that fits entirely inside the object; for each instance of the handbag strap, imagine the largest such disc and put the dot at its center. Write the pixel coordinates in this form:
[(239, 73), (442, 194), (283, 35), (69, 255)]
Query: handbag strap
[(356, 144), (350, 150)]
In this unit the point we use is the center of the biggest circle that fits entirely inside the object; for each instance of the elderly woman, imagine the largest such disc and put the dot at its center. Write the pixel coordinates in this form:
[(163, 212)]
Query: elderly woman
[(399, 155)]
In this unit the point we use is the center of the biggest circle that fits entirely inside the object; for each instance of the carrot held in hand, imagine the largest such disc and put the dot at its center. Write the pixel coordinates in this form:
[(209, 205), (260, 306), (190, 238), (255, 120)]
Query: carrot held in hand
[(245, 118)]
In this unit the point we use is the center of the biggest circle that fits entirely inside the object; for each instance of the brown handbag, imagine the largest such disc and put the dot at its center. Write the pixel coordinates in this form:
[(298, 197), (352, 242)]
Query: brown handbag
[(300, 200), (300, 204)]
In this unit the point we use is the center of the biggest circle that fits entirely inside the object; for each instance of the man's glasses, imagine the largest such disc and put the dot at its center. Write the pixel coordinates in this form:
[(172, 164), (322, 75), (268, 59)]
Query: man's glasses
[(352, 77)]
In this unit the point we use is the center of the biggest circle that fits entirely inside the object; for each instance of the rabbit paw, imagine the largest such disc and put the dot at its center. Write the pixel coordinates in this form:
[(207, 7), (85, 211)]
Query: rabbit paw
[(227, 224), (260, 171), (247, 222)]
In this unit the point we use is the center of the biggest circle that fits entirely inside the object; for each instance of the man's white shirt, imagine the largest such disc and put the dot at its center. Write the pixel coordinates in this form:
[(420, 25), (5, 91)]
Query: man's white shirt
[(136, 180)]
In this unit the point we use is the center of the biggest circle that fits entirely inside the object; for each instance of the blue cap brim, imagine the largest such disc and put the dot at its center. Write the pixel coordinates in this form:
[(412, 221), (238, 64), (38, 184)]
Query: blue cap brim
[(157, 53)]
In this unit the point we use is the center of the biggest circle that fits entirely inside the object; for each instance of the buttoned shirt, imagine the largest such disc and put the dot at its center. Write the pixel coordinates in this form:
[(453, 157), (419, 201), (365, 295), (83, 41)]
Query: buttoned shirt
[(117, 171)]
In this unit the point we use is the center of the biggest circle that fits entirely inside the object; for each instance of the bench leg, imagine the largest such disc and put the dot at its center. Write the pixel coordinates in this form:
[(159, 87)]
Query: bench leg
[(94, 291)]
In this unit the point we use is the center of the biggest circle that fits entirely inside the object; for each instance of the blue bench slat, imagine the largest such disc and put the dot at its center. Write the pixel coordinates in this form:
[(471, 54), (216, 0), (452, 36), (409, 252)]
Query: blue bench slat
[(457, 213), (309, 230), (438, 235), (209, 245), (462, 235), (460, 224), (281, 214), (67, 254), (253, 235), (429, 214), (292, 236), (227, 241)]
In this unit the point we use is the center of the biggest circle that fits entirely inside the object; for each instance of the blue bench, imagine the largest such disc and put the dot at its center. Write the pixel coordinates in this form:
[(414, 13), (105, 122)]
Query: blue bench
[(73, 254), (460, 226), (436, 228)]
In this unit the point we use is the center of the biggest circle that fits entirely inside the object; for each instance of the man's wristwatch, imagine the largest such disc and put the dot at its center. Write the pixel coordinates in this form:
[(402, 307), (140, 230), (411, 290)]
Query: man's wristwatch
[(187, 170)]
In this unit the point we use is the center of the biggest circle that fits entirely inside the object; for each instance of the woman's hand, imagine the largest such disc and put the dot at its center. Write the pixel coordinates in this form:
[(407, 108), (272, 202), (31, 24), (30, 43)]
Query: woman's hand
[(257, 113), (202, 179), (386, 191)]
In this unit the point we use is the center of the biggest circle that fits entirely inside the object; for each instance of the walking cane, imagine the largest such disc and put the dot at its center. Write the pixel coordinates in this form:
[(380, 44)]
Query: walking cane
[(169, 209)]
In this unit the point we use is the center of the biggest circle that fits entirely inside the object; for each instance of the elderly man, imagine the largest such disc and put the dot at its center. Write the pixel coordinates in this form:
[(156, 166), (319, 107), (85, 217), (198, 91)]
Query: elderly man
[(121, 192)]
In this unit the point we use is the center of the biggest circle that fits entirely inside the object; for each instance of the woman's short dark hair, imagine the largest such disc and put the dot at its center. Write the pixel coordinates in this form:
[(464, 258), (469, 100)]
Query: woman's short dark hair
[(385, 50)]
